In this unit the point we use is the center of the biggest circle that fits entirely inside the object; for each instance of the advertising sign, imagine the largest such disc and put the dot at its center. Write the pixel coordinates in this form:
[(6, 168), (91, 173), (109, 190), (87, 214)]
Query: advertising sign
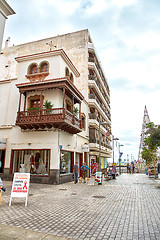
[(85, 148), (98, 177), (20, 186)]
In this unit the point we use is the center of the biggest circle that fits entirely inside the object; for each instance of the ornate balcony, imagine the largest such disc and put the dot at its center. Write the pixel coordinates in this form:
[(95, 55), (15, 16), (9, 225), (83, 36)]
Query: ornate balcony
[(48, 118)]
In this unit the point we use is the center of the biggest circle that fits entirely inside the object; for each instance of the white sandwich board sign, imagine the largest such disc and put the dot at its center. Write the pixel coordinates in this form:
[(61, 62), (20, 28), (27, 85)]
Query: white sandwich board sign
[(20, 186)]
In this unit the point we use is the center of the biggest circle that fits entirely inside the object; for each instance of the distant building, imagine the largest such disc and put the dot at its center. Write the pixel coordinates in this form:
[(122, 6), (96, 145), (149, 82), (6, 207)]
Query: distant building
[(5, 10), (53, 94), (146, 120)]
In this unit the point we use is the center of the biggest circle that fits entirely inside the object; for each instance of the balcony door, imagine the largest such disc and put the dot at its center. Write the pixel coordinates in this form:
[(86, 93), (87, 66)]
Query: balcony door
[(35, 103)]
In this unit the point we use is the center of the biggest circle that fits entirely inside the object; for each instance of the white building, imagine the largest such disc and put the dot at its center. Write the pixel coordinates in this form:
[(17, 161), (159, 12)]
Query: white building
[(44, 142), (5, 10), (65, 71)]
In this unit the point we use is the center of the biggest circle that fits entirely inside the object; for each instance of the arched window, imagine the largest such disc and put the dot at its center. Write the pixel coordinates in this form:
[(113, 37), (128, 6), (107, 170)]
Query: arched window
[(33, 68), (67, 72), (44, 67), (71, 77)]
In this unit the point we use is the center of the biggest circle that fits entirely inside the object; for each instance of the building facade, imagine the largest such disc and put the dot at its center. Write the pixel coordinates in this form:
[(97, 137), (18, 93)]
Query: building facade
[(5, 10), (53, 94)]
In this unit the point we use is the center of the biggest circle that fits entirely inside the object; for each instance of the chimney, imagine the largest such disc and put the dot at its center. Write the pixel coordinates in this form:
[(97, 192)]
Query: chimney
[(7, 42)]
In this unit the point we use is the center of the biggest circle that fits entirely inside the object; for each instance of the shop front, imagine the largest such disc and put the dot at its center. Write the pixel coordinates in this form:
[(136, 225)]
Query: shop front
[(66, 166), (33, 161), (2, 154)]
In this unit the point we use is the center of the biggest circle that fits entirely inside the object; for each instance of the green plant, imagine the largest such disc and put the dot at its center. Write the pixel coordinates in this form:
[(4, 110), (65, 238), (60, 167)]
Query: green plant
[(47, 105), (33, 111), (76, 111)]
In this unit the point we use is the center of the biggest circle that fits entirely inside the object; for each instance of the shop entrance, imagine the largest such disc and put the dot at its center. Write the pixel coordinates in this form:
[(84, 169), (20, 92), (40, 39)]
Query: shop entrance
[(2, 158), (79, 159)]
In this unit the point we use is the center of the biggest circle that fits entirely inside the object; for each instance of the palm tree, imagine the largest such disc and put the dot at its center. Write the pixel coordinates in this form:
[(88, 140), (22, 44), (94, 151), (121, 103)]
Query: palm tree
[(47, 105)]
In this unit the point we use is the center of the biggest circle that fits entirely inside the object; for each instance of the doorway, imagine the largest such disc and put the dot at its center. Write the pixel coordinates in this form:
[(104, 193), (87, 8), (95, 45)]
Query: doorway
[(2, 158)]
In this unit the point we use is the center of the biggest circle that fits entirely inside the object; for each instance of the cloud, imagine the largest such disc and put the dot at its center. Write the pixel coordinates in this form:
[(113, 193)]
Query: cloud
[(126, 37), (93, 7)]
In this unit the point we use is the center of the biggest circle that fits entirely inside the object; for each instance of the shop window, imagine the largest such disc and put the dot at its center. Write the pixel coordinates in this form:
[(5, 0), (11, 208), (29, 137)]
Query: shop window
[(2, 158), (31, 161), (66, 162), (44, 67)]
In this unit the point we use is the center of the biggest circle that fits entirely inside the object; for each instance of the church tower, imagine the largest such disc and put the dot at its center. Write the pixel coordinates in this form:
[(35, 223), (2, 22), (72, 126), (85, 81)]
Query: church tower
[(146, 120)]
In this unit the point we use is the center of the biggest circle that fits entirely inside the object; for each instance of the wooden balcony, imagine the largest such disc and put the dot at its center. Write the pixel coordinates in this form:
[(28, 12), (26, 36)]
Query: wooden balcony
[(47, 118)]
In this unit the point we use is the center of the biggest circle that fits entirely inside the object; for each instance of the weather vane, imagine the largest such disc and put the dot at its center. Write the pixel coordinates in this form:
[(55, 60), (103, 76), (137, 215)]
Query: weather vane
[(51, 45)]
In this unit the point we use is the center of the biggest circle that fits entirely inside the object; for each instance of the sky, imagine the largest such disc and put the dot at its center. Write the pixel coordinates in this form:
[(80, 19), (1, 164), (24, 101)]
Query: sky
[(126, 35)]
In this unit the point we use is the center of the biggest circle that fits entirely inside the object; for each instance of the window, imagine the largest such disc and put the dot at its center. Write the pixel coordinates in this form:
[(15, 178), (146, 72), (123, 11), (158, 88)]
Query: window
[(67, 72), (44, 67), (33, 69), (31, 161), (35, 103), (71, 77), (66, 162), (83, 121), (68, 105)]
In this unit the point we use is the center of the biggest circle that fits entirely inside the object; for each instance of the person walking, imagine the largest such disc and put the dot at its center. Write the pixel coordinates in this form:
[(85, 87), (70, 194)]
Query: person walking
[(76, 171), (84, 169)]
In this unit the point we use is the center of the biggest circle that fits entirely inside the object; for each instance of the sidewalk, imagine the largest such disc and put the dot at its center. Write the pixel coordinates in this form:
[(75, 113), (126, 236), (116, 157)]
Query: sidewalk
[(11, 232), (124, 208)]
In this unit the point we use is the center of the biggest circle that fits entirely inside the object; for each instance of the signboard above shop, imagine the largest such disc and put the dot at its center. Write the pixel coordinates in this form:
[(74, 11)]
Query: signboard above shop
[(2, 143), (85, 148)]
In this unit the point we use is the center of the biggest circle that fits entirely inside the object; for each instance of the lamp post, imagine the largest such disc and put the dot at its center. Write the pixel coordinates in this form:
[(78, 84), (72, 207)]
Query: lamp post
[(100, 123), (120, 158), (113, 139)]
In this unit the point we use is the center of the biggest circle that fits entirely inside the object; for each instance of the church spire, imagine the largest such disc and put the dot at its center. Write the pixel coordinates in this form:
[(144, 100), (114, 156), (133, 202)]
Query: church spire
[(146, 120)]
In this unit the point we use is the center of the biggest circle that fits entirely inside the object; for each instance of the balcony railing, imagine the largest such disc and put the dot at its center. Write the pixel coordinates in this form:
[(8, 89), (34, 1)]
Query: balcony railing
[(97, 82), (48, 118), (105, 110), (92, 59), (102, 143)]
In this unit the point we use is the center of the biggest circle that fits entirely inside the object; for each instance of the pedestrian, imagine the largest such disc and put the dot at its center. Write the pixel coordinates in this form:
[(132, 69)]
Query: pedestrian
[(76, 171), (129, 169), (84, 169)]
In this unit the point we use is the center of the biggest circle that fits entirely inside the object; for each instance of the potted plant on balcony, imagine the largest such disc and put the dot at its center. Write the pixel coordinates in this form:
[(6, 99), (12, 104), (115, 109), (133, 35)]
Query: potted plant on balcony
[(33, 111), (75, 111), (47, 105)]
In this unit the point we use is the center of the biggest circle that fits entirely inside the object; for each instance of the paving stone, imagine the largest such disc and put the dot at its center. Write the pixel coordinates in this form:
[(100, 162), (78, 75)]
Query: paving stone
[(128, 211)]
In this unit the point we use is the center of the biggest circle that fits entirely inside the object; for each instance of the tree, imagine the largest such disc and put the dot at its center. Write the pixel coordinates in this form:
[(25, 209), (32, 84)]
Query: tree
[(151, 142), (147, 155)]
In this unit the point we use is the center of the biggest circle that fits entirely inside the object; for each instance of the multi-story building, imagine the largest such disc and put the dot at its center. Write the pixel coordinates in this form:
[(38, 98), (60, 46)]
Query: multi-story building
[(53, 94), (5, 10)]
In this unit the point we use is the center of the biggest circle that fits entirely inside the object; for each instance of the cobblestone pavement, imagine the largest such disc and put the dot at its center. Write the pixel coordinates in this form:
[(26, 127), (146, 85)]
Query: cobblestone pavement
[(125, 208)]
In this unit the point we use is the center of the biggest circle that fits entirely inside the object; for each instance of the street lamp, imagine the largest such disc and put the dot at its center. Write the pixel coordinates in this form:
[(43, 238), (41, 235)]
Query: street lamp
[(120, 158), (100, 123), (114, 139)]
